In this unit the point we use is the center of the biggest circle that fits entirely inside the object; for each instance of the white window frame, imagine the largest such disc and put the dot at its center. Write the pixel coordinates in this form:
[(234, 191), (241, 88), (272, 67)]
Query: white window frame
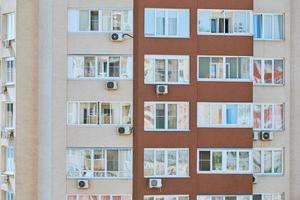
[(227, 34), (166, 27), (262, 150), (166, 162), (10, 29), (166, 103), (263, 27), (9, 74), (262, 60), (273, 116), (105, 149), (99, 113), (224, 69), (9, 159), (270, 194), (158, 197), (224, 161), (9, 123), (166, 58), (238, 197), (224, 118), (99, 195), (122, 10), (128, 69)]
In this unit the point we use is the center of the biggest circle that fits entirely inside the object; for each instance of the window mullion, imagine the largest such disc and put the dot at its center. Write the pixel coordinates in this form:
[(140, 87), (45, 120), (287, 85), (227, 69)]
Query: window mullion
[(166, 115), (166, 70), (273, 162), (224, 160)]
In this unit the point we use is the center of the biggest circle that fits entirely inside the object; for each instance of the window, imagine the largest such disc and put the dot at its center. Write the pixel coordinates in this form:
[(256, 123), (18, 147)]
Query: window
[(224, 115), (268, 116), (226, 22), (268, 71), (167, 23), (9, 115), (166, 197), (166, 116), (160, 69), (99, 113), (166, 162), (268, 26), (230, 161), (9, 70), (224, 197), (268, 161), (10, 159), (100, 67), (9, 196), (99, 163), (269, 196), (100, 20), (98, 197), (9, 26), (224, 68)]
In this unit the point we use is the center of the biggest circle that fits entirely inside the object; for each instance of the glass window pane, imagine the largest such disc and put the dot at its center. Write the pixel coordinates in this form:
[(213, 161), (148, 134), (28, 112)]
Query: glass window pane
[(160, 70), (172, 168), (106, 20), (94, 20), (241, 22), (173, 70), (160, 116), (106, 113), (257, 116), (278, 27), (268, 27), (183, 163), (268, 76), (114, 67), (216, 68), (278, 71), (172, 116), (277, 161), (257, 71), (244, 68), (231, 160), (112, 163), (268, 112), (203, 115), (204, 67), (216, 112), (257, 161), (231, 68), (160, 22), (116, 20), (126, 113), (279, 117), (89, 66), (244, 160), (172, 23), (216, 160), (231, 114), (183, 115), (160, 163), (149, 110), (149, 22), (115, 113), (204, 160), (204, 19), (267, 161), (102, 65), (83, 20), (257, 26), (148, 162)]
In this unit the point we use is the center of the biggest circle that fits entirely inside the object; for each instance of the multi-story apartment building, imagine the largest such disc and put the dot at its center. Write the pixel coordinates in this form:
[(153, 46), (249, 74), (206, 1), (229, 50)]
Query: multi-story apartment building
[(149, 100)]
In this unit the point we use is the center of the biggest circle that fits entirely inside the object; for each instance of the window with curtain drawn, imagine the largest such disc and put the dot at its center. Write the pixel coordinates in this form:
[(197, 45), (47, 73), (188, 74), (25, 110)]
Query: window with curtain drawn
[(224, 115), (268, 117), (163, 22), (99, 163), (98, 197), (230, 161), (100, 67), (166, 116), (224, 68), (105, 20), (99, 113), (168, 162), (226, 22), (268, 71), (268, 26), (164, 69)]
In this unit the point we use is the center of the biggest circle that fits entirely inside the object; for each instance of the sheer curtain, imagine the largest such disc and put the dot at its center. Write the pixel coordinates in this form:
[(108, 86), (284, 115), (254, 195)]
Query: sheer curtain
[(257, 26), (278, 27), (125, 163)]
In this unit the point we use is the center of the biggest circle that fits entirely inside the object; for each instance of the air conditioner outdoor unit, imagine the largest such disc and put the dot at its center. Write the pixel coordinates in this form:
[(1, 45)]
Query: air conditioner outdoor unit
[(117, 37), (256, 135), (161, 89), (254, 179), (111, 85), (125, 130), (266, 136), (6, 43), (3, 89), (82, 184), (4, 178), (155, 183)]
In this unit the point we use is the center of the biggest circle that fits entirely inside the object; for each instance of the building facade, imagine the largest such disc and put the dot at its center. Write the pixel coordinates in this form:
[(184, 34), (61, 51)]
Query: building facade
[(149, 100)]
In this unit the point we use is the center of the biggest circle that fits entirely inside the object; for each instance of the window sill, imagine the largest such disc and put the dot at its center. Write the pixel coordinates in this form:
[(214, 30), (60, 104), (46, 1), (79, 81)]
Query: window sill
[(100, 79), (100, 126), (223, 172), (166, 37), (9, 84), (268, 40), (100, 178), (250, 127), (224, 34), (165, 177), (269, 174), (166, 130), (168, 83), (268, 85)]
